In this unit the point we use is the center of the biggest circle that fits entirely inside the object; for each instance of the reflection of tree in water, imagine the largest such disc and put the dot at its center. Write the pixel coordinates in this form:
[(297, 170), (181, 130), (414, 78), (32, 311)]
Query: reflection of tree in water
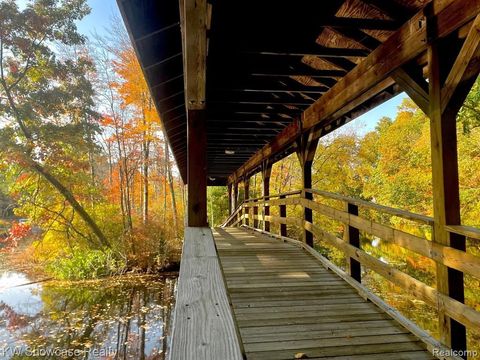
[(128, 318)]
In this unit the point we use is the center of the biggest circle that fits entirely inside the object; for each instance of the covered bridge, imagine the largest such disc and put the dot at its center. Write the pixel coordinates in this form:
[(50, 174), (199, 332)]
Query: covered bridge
[(240, 84)]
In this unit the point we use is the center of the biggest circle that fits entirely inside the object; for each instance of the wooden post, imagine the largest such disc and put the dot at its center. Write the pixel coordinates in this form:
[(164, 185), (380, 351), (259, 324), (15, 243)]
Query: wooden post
[(283, 214), (307, 212), (235, 195), (450, 79), (266, 173), (255, 213), (352, 236), (246, 196), (197, 168), (193, 18), (306, 147), (230, 210), (235, 199)]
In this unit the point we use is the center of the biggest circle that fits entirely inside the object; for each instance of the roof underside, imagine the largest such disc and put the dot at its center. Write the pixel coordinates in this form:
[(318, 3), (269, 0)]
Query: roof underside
[(267, 62)]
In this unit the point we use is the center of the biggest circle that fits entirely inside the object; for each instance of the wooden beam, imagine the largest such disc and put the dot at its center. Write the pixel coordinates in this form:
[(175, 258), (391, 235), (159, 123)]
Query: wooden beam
[(262, 97), (390, 8), (415, 87), (265, 84), (466, 65), (357, 23), (194, 15), (313, 50), (288, 72), (407, 43), (413, 84), (315, 90)]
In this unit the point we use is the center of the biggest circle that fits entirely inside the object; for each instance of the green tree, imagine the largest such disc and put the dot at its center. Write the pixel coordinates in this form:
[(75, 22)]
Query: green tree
[(396, 165), (469, 114), (46, 98), (217, 205)]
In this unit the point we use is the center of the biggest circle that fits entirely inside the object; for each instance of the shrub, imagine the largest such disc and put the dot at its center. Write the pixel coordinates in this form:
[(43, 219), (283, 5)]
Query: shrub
[(152, 248), (86, 264)]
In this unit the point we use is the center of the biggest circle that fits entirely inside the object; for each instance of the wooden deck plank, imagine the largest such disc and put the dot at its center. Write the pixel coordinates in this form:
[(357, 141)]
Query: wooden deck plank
[(285, 302), (306, 328), (350, 352)]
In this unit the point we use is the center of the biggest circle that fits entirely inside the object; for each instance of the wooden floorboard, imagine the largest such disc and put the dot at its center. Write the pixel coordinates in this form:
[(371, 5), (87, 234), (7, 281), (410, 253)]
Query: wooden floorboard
[(286, 303)]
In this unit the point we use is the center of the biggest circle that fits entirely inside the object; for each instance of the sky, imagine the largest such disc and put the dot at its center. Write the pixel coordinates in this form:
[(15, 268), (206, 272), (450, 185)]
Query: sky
[(103, 11)]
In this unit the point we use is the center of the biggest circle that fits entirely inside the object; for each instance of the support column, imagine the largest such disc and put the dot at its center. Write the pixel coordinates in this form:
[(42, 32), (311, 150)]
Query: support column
[(352, 236), (306, 147), (235, 196), (446, 200), (255, 214), (283, 214), (197, 168), (246, 196), (230, 209), (266, 173), (453, 68), (193, 19)]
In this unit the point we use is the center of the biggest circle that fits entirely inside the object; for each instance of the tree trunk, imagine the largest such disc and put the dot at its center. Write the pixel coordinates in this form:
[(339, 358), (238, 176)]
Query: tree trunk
[(128, 204), (172, 193), (145, 174), (165, 183), (121, 178), (67, 194)]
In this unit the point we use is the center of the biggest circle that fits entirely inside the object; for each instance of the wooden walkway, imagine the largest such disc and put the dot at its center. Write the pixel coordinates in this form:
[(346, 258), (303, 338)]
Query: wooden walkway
[(286, 304)]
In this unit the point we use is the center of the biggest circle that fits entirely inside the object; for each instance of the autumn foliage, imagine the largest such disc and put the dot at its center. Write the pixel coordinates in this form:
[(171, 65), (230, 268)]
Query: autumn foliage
[(17, 232), (83, 155)]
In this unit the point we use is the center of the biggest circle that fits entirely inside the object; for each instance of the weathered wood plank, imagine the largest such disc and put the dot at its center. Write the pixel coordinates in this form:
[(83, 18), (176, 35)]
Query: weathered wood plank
[(351, 350), (403, 355), (203, 322), (296, 301), (329, 342), (261, 330), (315, 337), (313, 319), (467, 231)]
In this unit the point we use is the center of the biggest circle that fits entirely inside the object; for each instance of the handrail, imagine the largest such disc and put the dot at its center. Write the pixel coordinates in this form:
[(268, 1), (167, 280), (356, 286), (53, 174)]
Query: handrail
[(233, 215), (380, 208), (468, 231), (433, 345), (290, 193), (202, 300)]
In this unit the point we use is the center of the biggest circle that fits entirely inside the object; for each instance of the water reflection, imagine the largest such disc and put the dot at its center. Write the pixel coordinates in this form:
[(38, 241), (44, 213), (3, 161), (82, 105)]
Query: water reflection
[(123, 318)]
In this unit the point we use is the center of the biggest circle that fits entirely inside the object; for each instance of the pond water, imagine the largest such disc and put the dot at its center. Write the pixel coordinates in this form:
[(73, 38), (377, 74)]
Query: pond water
[(116, 318)]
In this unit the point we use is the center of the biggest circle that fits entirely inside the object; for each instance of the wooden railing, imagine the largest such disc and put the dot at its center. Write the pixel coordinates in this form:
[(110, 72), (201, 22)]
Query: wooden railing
[(251, 213), (203, 323)]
